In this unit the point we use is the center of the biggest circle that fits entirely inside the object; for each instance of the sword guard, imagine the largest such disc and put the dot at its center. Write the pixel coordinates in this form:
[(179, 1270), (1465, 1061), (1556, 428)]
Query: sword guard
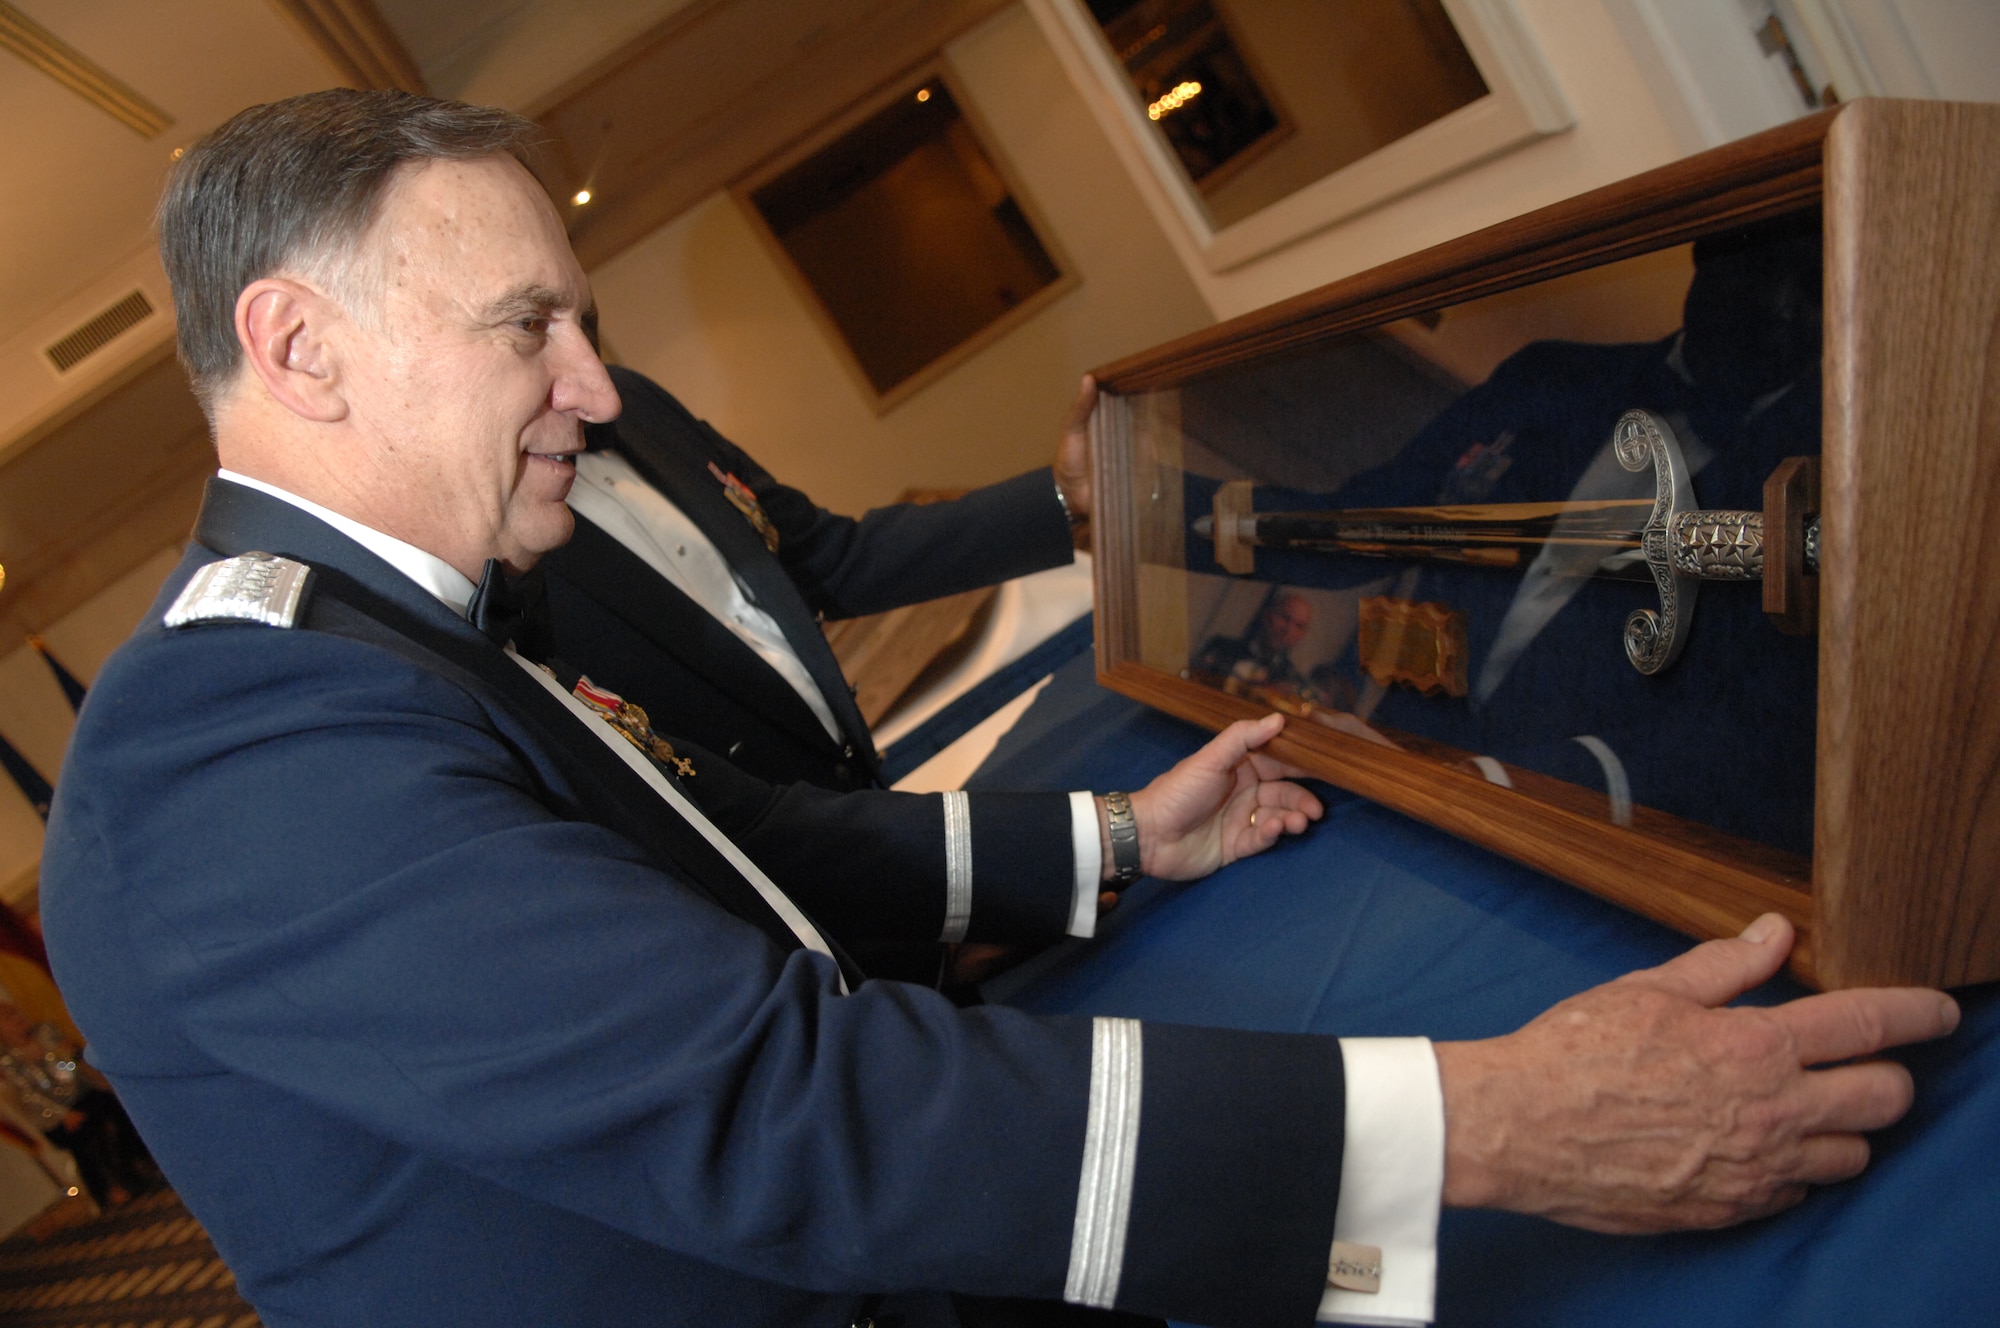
[(1653, 640)]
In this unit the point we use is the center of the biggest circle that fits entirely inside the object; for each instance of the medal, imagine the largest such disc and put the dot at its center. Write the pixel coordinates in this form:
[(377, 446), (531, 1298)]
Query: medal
[(743, 500), (632, 724)]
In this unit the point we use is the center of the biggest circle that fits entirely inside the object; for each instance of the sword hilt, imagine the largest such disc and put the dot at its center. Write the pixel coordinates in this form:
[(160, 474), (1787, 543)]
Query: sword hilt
[(1682, 545), (1720, 545)]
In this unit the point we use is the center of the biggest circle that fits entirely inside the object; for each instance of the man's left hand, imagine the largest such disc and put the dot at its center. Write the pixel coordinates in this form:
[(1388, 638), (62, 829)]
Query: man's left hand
[(1225, 802)]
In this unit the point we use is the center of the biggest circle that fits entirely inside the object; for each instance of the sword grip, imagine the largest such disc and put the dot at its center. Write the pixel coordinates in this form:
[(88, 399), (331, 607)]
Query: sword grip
[(1232, 504), (1719, 545)]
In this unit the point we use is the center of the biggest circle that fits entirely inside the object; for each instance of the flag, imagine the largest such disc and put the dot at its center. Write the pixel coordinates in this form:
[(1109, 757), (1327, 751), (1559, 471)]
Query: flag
[(28, 778), (72, 688)]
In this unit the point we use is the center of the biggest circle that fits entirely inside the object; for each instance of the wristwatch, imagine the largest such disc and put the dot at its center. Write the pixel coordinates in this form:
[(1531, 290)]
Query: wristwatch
[(1124, 839), (1074, 518)]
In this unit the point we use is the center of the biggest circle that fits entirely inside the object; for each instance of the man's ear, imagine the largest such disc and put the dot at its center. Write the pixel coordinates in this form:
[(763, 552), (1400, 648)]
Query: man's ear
[(283, 325)]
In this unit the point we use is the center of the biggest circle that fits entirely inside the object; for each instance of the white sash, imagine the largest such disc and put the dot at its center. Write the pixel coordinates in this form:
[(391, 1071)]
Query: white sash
[(781, 905)]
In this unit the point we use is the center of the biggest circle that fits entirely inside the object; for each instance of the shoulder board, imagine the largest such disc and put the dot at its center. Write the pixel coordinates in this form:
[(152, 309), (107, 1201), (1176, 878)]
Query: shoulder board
[(251, 587)]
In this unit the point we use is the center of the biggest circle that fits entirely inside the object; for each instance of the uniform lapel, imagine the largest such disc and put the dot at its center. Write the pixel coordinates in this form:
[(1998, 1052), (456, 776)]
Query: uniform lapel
[(681, 474), (356, 594), (599, 566)]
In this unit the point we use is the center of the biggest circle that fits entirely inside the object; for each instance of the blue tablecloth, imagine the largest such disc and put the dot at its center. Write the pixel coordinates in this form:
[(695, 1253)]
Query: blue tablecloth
[(1373, 924)]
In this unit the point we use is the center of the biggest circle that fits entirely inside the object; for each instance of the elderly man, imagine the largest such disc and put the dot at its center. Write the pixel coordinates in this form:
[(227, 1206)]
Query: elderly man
[(435, 1013)]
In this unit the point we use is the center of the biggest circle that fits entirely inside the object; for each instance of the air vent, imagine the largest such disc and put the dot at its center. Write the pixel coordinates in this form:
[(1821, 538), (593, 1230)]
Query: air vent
[(93, 336)]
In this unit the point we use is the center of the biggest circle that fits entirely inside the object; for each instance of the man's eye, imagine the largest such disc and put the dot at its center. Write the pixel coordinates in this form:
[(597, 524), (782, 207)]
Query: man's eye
[(535, 325)]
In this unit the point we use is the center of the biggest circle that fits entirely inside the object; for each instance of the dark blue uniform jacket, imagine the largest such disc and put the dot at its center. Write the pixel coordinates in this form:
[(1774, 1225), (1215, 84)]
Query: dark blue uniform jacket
[(649, 642), (434, 1013)]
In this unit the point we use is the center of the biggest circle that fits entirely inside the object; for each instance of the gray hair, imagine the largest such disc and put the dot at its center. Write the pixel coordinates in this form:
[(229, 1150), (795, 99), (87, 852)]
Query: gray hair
[(291, 187)]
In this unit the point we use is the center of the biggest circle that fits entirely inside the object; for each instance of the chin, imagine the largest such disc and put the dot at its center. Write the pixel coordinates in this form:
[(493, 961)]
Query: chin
[(529, 540)]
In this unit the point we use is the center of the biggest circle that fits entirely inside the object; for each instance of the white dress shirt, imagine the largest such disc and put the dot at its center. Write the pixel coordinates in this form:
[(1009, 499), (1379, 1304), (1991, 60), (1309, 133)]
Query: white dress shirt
[(613, 497)]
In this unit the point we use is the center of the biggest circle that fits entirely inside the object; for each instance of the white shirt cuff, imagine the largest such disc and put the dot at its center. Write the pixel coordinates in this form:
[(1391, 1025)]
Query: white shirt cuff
[(1087, 851), (1391, 1178)]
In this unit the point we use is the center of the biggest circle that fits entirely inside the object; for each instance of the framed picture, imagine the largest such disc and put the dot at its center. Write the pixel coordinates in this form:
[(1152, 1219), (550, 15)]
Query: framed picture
[(1258, 124), (1631, 538)]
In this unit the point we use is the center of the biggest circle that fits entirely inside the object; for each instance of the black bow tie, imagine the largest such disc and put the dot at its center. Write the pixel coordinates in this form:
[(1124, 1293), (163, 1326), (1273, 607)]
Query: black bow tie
[(513, 609)]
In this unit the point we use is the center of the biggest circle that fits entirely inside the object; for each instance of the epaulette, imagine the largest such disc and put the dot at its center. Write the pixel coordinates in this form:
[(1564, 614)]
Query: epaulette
[(251, 587)]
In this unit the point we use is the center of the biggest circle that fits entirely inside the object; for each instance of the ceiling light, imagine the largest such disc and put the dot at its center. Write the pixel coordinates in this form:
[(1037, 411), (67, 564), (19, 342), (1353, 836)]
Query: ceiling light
[(582, 197), (923, 94), (1182, 94)]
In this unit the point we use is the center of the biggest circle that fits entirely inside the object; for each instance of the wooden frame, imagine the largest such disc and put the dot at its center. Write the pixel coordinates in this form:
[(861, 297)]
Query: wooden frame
[(935, 71), (1904, 881)]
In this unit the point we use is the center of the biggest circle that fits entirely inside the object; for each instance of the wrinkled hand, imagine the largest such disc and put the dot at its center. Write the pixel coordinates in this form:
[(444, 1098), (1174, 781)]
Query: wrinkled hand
[(1072, 463), (1225, 802), (1642, 1106)]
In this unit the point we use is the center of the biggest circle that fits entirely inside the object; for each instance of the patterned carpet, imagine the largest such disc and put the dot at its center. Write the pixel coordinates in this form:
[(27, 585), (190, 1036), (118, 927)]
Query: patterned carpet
[(145, 1265)]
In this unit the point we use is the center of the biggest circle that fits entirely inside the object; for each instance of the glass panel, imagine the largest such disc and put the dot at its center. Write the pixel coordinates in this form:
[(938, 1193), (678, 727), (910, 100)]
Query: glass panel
[(1259, 100), (1464, 545)]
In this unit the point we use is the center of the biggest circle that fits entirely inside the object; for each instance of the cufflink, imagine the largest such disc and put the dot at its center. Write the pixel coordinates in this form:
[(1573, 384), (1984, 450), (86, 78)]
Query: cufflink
[(1355, 1267)]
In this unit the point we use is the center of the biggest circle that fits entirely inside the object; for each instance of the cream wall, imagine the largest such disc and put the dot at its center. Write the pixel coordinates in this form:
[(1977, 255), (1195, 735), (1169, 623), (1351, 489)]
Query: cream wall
[(35, 716), (1620, 129), (701, 306)]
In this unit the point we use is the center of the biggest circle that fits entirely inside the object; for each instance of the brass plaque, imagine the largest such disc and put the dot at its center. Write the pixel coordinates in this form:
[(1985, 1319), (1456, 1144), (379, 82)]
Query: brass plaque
[(1419, 644)]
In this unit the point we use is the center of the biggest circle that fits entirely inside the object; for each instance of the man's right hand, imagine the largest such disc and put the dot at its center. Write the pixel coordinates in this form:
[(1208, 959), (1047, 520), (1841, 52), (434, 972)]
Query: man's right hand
[(1643, 1105)]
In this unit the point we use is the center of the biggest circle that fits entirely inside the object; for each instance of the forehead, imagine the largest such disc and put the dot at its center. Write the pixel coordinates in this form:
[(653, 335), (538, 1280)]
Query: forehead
[(472, 231)]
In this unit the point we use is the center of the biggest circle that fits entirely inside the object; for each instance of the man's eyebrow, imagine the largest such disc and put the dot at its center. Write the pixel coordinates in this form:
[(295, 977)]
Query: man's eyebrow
[(530, 299)]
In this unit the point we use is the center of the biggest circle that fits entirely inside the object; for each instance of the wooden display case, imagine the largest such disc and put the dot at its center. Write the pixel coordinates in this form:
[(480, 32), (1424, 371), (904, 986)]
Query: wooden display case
[(1439, 603)]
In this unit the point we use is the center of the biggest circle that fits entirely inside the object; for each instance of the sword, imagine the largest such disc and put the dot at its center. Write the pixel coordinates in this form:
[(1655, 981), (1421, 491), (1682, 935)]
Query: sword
[(1666, 539), (1499, 535)]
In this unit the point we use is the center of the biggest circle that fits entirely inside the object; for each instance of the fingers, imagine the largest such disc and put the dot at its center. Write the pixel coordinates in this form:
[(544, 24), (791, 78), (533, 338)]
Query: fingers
[(1256, 732), (1078, 414), (1296, 804), (1832, 1027), (1270, 767), (1841, 1025), (1852, 1099), (1227, 749), (1282, 809), (1827, 1159), (1717, 972)]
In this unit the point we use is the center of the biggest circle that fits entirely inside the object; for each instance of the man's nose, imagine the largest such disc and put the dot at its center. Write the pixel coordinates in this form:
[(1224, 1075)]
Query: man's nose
[(585, 388)]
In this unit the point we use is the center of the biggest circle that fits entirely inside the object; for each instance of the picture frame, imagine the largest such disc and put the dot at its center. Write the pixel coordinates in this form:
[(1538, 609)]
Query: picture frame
[(1899, 880)]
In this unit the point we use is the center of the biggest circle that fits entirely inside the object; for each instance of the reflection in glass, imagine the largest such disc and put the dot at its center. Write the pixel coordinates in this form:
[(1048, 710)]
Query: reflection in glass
[(1418, 626), (1259, 100)]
